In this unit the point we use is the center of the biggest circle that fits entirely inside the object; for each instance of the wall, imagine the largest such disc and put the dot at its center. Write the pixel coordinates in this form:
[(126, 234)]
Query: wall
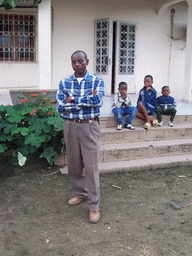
[(74, 29), (18, 74), (178, 49)]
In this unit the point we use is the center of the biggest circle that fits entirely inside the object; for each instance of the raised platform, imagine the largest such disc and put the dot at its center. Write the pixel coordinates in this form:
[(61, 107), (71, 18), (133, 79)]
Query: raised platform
[(183, 108)]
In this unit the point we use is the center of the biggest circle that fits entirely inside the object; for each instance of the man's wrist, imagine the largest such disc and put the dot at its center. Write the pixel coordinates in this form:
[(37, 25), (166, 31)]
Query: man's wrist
[(72, 99)]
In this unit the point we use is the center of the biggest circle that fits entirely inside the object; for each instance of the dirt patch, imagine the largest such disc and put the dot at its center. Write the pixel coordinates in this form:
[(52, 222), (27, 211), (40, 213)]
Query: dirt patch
[(137, 216)]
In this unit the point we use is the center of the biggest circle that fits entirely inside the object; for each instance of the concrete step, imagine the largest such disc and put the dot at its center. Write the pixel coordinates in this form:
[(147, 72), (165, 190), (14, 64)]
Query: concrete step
[(139, 144), (142, 164), (107, 122), (147, 149), (145, 164), (179, 131)]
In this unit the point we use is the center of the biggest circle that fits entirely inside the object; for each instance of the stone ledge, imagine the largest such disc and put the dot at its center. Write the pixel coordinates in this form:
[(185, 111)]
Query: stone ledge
[(22, 92)]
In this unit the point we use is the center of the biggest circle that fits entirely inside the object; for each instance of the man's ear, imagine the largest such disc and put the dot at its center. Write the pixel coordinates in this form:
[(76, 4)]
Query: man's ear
[(87, 61)]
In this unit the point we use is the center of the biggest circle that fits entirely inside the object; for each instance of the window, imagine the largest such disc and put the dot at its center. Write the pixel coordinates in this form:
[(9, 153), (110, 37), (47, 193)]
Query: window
[(102, 46), (127, 48), (17, 37)]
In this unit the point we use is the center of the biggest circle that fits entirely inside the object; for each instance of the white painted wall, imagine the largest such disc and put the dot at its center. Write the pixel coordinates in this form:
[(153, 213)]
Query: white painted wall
[(18, 74), (74, 29)]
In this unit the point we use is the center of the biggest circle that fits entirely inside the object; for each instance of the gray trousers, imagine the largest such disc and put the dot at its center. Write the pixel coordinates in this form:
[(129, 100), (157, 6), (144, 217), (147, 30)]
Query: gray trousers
[(83, 144)]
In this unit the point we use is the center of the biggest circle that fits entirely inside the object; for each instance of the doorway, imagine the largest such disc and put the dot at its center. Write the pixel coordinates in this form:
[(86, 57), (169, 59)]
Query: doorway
[(115, 53)]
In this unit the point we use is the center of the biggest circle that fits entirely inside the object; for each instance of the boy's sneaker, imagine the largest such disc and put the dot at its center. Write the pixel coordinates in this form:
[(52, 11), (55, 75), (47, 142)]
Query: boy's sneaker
[(130, 127), (170, 124), (160, 123), (119, 127)]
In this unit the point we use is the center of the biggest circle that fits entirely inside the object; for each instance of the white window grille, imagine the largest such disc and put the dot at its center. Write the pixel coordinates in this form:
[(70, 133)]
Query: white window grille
[(17, 37), (101, 46), (127, 49)]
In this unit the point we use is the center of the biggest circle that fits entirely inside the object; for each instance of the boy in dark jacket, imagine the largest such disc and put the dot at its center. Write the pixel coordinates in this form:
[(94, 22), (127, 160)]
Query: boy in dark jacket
[(146, 103), (166, 106)]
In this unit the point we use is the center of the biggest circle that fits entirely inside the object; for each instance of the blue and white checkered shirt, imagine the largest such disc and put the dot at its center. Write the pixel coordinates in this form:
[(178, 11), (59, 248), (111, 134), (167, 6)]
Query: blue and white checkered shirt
[(91, 104)]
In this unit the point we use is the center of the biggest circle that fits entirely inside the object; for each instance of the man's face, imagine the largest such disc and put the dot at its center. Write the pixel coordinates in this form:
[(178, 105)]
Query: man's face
[(79, 63), (165, 92)]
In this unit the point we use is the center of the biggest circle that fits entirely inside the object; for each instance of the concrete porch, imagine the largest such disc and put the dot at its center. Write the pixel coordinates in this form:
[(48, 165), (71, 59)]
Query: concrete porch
[(182, 107)]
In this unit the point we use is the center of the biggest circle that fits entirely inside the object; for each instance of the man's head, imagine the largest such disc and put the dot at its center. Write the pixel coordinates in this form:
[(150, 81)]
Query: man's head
[(79, 63), (165, 91), (148, 81), (122, 87)]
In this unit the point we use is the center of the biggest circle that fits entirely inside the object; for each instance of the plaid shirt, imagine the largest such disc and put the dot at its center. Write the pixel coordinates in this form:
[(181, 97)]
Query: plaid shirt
[(118, 102), (91, 104)]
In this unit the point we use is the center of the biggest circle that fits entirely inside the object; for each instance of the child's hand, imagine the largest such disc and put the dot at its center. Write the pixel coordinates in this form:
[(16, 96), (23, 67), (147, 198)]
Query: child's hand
[(149, 88), (123, 95)]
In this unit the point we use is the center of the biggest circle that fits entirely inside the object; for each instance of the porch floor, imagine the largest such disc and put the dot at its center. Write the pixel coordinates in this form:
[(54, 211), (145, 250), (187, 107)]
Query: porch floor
[(182, 108)]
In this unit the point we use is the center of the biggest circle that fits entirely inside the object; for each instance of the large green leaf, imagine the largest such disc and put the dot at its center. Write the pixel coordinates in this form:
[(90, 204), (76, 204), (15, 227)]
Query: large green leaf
[(26, 149), (3, 123), (34, 140), (13, 116), (6, 137), (26, 110), (3, 148), (24, 131), (8, 4), (10, 128), (39, 126), (49, 154), (36, 2), (12, 3), (56, 122)]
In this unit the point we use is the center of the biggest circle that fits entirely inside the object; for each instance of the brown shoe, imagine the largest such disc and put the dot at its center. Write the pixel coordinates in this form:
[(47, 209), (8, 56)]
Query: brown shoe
[(94, 216), (76, 200)]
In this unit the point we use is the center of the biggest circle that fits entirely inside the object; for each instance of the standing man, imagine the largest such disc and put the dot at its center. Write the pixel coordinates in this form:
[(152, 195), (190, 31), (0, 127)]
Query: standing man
[(80, 97)]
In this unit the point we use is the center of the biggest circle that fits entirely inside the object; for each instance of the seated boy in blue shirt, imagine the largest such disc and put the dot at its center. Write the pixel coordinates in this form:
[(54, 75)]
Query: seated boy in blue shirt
[(166, 106), (122, 107), (146, 103)]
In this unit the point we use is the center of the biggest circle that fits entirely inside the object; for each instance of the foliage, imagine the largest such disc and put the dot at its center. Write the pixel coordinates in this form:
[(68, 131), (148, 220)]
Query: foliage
[(32, 126), (8, 4)]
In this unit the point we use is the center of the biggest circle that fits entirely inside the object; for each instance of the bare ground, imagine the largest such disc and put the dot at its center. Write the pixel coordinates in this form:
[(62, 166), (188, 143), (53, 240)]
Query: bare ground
[(137, 216)]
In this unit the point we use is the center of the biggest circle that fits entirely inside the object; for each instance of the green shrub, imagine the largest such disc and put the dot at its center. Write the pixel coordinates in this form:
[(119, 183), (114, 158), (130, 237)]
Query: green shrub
[(32, 126)]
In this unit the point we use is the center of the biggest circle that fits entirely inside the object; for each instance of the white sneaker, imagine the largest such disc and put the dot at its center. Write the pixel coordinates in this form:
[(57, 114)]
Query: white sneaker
[(119, 127), (160, 123), (170, 124), (130, 127)]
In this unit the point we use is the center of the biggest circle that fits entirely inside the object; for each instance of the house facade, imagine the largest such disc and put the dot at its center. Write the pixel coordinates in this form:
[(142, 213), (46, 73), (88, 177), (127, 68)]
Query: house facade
[(124, 41)]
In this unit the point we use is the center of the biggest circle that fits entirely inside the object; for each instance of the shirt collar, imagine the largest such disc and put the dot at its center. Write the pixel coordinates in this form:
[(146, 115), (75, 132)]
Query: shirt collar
[(86, 77), (166, 97)]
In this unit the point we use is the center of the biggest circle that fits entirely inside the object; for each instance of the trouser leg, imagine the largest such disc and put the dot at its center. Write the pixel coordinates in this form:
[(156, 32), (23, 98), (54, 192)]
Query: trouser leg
[(118, 114), (75, 161), (89, 135), (159, 113), (131, 112), (172, 112)]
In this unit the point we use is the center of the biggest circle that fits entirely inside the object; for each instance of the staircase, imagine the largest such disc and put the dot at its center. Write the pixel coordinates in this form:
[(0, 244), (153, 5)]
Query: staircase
[(138, 149), (132, 150)]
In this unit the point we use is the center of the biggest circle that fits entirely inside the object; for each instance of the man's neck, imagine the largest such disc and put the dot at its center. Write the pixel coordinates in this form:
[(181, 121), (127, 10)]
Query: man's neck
[(80, 75)]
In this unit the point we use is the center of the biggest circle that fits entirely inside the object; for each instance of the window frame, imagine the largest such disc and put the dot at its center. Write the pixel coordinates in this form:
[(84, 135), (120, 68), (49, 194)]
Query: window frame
[(15, 58)]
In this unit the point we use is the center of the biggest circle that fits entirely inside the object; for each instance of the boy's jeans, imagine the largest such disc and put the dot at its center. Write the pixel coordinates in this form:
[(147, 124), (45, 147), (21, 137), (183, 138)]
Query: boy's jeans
[(121, 112), (171, 112)]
